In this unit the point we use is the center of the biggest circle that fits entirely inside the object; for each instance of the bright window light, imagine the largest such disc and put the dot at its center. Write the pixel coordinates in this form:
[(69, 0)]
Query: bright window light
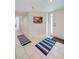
[(51, 23), (17, 22)]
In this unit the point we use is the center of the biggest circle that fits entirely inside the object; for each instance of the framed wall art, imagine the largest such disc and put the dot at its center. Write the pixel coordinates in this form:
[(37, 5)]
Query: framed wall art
[(37, 19)]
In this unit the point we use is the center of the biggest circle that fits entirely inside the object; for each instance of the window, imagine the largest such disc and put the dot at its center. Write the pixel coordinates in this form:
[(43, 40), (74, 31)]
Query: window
[(49, 25), (17, 22)]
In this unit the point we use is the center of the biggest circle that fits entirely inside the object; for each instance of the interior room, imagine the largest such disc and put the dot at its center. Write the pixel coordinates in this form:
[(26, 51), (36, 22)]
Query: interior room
[(39, 29)]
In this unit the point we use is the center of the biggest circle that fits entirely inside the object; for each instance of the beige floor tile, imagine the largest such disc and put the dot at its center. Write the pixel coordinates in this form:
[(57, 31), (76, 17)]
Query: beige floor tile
[(29, 49), (26, 56), (19, 51), (35, 56)]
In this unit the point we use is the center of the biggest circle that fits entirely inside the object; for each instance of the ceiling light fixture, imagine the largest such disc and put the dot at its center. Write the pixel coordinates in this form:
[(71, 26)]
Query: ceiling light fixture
[(51, 1)]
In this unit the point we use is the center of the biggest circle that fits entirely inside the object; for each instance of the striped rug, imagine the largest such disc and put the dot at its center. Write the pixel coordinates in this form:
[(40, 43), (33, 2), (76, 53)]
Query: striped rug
[(23, 40), (46, 45)]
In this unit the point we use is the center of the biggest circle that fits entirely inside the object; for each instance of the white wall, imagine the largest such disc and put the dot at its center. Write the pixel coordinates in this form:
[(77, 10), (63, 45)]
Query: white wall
[(59, 23), (37, 30), (22, 21), (32, 29), (24, 24)]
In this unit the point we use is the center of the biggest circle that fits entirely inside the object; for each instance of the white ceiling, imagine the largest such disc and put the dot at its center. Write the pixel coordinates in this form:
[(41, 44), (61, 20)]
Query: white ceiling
[(38, 5)]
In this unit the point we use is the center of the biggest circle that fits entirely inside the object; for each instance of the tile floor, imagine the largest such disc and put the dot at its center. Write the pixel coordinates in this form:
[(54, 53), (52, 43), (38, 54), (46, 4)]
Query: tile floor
[(29, 51)]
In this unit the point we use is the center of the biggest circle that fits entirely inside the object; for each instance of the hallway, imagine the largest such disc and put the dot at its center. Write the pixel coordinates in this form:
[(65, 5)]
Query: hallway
[(29, 51)]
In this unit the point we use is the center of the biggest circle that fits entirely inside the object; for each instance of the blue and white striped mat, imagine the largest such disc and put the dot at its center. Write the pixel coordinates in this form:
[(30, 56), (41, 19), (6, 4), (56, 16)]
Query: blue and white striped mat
[(46, 45)]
